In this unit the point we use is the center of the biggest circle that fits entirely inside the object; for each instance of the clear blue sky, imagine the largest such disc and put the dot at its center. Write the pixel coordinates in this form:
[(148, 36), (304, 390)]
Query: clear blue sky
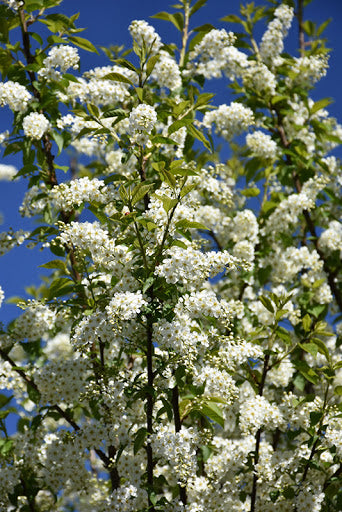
[(107, 22)]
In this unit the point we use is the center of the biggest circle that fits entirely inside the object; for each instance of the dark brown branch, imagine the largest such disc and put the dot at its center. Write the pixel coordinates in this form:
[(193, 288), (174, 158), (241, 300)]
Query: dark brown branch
[(258, 436), (300, 26), (309, 222), (178, 426)]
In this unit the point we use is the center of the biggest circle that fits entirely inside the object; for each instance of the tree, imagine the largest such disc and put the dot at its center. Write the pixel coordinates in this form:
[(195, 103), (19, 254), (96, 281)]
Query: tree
[(184, 353)]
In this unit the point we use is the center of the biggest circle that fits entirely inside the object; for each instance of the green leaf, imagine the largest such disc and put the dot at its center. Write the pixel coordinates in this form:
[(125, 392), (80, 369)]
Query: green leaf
[(197, 5), (315, 417), (177, 18), (318, 105), (338, 390), (59, 287), (59, 139), (250, 192), (231, 18), (168, 203), (306, 323), (139, 439), (152, 61), (199, 135), (117, 77), (55, 264), (212, 411), (83, 43), (176, 125), (311, 348), (139, 192), (188, 224), (267, 303), (4, 400), (159, 139)]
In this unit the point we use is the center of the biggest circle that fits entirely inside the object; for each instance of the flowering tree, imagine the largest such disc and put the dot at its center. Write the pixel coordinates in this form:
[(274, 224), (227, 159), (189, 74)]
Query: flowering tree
[(184, 353)]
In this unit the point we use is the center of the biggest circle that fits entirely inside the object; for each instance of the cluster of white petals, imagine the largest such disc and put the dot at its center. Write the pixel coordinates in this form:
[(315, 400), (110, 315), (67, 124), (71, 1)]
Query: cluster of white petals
[(142, 120), (35, 125), (14, 95), (262, 145), (144, 34), (272, 44), (166, 72), (125, 306), (230, 120), (63, 57)]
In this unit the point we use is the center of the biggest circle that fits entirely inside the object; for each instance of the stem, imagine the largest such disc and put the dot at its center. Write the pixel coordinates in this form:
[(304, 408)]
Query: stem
[(178, 426), (300, 27), (149, 413), (186, 34), (64, 414), (309, 222), (258, 436)]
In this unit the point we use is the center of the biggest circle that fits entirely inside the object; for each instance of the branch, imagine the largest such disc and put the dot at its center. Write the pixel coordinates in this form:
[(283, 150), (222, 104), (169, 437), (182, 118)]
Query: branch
[(258, 436), (178, 426)]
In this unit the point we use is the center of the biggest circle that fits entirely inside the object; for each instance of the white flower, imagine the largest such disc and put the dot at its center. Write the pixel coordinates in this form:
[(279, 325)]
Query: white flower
[(142, 120), (143, 33), (230, 120), (35, 125), (125, 306), (14, 95), (261, 145), (167, 72), (64, 57)]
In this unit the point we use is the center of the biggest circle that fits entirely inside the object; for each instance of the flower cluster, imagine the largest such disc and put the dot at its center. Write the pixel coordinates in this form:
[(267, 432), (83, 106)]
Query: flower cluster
[(144, 34), (262, 145), (14, 95), (230, 120), (272, 41), (142, 120), (35, 125), (63, 57)]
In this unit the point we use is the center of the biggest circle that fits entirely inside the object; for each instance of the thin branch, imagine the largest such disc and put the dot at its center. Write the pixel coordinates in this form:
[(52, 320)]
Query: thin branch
[(178, 426)]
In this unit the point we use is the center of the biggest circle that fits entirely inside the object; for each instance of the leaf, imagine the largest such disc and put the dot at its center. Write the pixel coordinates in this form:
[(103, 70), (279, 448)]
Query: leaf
[(250, 192), (117, 77), (159, 139), (197, 5), (177, 18), (188, 224), (176, 125), (4, 400), (139, 439), (318, 105), (231, 18), (168, 203), (212, 411), (59, 139), (311, 348), (338, 390), (152, 61), (306, 323), (199, 135), (266, 302), (59, 287), (54, 264), (168, 177), (139, 192), (83, 43)]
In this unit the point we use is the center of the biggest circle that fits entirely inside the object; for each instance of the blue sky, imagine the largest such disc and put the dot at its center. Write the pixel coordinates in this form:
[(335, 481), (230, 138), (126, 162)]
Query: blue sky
[(107, 22)]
